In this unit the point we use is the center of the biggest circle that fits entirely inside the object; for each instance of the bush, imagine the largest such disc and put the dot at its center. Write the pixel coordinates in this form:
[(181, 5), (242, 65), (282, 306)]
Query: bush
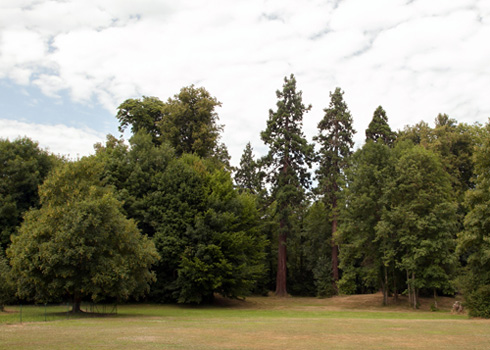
[(478, 302)]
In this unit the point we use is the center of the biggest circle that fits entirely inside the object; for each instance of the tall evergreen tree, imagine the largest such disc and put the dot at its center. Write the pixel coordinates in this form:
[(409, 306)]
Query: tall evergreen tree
[(335, 139), (378, 129), (288, 158), (248, 176)]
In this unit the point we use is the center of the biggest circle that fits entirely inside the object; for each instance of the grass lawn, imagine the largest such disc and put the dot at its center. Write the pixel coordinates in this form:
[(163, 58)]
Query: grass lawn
[(351, 322)]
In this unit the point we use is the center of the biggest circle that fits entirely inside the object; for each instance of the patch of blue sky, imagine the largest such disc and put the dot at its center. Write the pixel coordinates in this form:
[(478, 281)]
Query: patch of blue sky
[(29, 105)]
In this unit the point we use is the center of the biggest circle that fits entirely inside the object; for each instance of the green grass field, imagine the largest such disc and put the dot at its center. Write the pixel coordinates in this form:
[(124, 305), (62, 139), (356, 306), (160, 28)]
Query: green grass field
[(356, 322)]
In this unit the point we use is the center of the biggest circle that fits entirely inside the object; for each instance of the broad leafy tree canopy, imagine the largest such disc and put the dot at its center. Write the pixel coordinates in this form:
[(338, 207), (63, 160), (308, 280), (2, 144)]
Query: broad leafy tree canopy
[(79, 243)]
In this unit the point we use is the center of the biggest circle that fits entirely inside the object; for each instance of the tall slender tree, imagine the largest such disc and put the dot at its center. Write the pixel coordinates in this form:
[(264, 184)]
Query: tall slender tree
[(335, 139), (287, 161)]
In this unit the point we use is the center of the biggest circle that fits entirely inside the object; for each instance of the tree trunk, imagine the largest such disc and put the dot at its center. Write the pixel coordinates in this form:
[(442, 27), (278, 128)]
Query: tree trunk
[(335, 247), (409, 288), (415, 292), (385, 288), (395, 289), (435, 298), (281, 290), (77, 301)]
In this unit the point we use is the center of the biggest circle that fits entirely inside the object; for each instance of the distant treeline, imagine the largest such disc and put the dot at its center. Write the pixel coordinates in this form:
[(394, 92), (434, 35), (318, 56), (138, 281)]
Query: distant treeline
[(166, 218)]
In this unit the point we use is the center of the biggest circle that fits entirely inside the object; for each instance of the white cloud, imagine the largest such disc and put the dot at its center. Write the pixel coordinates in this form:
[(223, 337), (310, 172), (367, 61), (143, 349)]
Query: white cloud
[(57, 139), (416, 58)]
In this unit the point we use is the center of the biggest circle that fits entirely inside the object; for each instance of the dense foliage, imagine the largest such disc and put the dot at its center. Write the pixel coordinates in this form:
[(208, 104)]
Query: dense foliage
[(23, 167), (474, 240), (6, 288), (205, 231), (405, 214), (79, 243)]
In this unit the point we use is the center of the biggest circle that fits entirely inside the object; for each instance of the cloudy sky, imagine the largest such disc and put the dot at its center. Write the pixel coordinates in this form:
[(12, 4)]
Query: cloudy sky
[(65, 65)]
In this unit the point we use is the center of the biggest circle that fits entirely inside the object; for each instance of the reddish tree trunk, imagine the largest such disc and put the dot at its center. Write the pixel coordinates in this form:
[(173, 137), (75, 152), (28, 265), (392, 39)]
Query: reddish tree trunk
[(335, 253), (335, 247), (281, 290)]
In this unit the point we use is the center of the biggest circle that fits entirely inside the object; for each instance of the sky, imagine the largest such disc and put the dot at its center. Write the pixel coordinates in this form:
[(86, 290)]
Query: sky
[(66, 65)]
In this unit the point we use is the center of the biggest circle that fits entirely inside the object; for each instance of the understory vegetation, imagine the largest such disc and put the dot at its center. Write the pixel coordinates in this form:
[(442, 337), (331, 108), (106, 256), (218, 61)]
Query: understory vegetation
[(165, 218)]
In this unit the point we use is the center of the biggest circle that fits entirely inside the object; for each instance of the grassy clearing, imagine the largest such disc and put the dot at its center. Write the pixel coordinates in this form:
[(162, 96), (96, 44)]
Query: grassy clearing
[(259, 323)]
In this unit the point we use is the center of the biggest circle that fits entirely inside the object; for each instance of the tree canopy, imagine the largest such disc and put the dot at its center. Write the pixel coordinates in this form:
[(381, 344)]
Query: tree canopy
[(474, 240), (79, 244), (205, 231), (163, 207), (23, 167)]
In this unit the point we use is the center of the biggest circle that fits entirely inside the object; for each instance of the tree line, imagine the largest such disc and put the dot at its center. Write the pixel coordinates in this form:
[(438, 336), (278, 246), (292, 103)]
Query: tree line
[(167, 218)]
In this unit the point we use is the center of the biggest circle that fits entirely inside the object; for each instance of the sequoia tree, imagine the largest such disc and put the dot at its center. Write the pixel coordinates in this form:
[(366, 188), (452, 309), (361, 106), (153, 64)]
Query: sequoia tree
[(379, 129), (287, 160), (335, 139)]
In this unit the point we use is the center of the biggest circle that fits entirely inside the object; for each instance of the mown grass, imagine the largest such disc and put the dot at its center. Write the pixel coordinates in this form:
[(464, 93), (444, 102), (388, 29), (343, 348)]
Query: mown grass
[(258, 323)]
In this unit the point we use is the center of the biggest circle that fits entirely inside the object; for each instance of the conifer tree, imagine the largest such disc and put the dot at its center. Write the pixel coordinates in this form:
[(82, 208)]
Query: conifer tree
[(378, 129), (287, 161), (248, 175), (335, 139)]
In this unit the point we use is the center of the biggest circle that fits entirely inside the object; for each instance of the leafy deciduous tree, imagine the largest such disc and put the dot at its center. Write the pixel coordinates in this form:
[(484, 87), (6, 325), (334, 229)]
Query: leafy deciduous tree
[(6, 289), (205, 231), (366, 257), (423, 214), (189, 122), (474, 240), (142, 115), (79, 244), (23, 167)]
